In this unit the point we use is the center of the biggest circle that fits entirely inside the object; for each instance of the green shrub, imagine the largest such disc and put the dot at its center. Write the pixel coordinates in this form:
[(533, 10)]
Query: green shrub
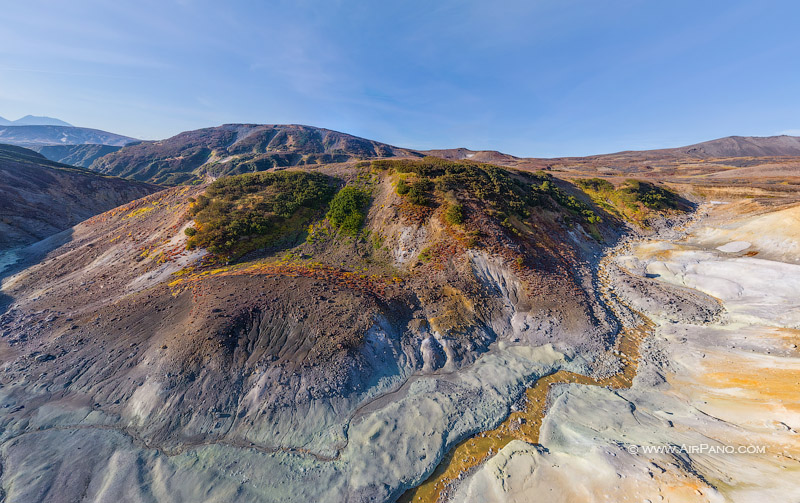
[(593, 218), (425, 255), (454, 214), (402, 187), (633, 200), (377, 241), (239, 214), (506, 191), (569, 202), (650, 195), (595, 184), (190, 231), (418, 197), (348, 210), (416, 192)]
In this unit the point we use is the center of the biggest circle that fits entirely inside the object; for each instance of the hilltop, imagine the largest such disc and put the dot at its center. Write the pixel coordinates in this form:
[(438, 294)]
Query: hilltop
[(748, 161), (238, 148), (730, 146), (465, 154)]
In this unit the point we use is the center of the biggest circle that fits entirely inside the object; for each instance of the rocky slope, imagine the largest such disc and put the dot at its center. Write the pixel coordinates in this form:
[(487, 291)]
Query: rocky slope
[(238, 148), (301, 371), (39, 197)]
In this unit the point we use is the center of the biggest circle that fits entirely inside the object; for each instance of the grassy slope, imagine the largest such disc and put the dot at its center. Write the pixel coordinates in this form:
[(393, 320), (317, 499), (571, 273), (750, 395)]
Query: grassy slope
[(634, 201)]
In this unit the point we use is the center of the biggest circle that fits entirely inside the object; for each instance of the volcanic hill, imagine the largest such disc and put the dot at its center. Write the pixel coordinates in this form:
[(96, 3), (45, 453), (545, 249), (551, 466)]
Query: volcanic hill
[(264, 318), (233, 149)]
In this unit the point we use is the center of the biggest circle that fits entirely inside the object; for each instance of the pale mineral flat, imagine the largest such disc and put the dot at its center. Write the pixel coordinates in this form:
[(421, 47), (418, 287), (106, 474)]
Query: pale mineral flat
[(714, 412)]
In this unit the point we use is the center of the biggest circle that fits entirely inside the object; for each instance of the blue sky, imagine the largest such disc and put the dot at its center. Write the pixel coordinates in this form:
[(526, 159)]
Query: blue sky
[(533, 78)]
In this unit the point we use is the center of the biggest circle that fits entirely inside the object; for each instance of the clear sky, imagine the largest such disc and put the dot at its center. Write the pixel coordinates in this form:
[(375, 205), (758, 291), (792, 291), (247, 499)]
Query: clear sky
[(531, 78)]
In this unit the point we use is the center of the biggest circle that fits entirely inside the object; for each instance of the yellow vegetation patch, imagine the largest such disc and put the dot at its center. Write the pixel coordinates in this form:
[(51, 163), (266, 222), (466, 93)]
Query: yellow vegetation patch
[(375, 284), (139, 212), (459, 312)]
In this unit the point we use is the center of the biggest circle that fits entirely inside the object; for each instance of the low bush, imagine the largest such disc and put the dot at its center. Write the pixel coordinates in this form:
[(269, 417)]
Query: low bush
[(633, 200), (454, 214), (595, 184), (239, 214), (402, 187), (418, 192), (348, 210), (506, 191), (650, 195)]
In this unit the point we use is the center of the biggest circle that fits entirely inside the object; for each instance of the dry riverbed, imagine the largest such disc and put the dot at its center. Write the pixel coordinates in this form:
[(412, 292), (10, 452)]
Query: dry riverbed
[(714, 411)]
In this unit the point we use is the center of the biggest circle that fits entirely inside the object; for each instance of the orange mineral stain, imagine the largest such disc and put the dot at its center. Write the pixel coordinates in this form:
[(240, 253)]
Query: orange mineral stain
[(524, 424)]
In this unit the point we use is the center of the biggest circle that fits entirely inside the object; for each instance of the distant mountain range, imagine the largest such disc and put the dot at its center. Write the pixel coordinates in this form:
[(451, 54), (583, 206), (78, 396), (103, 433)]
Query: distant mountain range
[(33, 120), (240, 148), (730, 146), (35, 136), (60, 141), (735, 146)]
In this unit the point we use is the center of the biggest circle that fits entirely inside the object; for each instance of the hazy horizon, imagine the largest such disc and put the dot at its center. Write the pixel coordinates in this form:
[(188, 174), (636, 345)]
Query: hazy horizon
[(544, 80)]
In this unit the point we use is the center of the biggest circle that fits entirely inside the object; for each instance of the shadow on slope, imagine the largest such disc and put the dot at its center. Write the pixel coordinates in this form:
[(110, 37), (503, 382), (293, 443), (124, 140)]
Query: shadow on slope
[(15, 260)]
